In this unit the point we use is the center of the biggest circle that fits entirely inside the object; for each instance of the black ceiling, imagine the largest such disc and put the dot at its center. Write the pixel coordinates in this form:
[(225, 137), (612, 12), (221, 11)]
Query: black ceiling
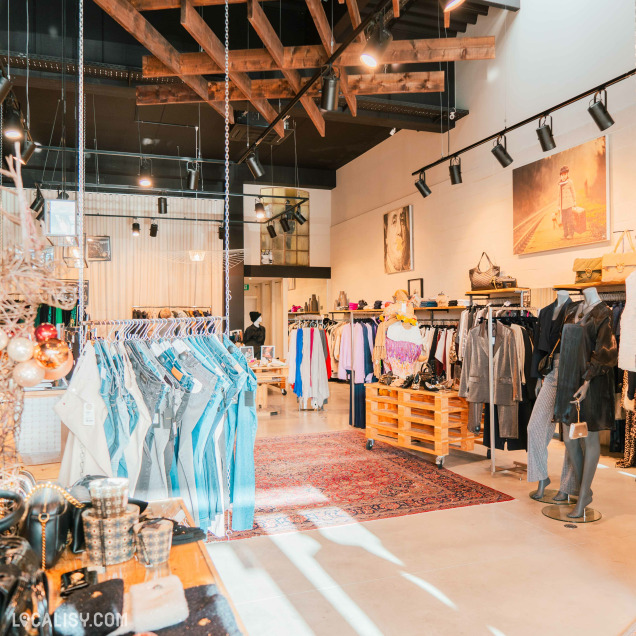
[(110, 103)]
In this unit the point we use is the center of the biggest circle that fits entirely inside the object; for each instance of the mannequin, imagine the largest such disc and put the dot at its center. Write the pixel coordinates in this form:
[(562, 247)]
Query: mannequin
[(588, 351), (254, 335), (541, 425)]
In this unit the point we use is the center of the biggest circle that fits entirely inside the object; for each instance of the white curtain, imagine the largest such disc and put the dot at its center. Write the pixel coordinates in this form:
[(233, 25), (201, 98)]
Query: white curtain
[(145, 271)]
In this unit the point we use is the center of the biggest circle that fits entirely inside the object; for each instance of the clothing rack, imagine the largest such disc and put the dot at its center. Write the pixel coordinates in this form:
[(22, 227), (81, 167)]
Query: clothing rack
[(517, 466), (152, 328)]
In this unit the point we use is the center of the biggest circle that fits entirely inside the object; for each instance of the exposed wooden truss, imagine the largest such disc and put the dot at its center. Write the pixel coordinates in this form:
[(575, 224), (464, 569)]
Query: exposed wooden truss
[(131, 20), (314, 56), (270, 39), (366, 84), (154, 5)]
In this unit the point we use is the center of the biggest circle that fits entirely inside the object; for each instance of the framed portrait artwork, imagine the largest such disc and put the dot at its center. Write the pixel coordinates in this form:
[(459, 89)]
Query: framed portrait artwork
[(562, 200), (98, 248), (416, 286), (398, 240), (267, 353)]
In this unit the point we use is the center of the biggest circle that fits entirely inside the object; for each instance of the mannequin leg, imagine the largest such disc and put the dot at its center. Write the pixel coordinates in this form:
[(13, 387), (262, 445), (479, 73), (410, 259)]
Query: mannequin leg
[(590, 462), (574, 452)]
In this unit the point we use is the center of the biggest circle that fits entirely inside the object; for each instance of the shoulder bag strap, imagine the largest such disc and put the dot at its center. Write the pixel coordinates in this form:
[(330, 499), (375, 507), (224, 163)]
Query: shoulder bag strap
[(481, 259), (620, 240)]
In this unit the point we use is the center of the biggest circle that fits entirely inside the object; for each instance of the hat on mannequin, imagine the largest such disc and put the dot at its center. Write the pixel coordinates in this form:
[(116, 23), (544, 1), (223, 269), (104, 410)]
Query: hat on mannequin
[(254, 316)]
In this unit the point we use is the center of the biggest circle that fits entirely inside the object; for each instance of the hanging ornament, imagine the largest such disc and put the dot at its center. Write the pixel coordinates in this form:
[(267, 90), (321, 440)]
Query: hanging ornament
[(63, 370), (29, 373), (51, 353), (4, 339), (20, 349), (45, 331)]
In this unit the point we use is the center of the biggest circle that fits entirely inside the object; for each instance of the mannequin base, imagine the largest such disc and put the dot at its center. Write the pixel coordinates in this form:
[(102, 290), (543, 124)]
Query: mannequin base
[(560, 513), (548, 497)]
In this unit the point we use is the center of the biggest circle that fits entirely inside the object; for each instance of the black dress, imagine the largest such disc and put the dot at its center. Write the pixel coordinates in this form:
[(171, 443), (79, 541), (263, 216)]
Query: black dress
[(254, 337), (588, 352)]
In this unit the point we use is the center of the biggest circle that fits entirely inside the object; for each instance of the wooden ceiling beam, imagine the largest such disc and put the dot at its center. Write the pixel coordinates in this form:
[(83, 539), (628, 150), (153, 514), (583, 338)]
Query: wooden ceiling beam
[(366, 84), (396, 8), (354, 15), (314, 56), (133, 22), (327, 39), (272, 43), (157, 5), (197, 27)]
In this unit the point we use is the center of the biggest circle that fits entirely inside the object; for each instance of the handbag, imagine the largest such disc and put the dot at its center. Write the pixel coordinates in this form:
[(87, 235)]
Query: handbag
[(23, 590), (578, 429), (48, 521), (504, 282), (546, 364), (618, 266), (482, 279), (587, 270)]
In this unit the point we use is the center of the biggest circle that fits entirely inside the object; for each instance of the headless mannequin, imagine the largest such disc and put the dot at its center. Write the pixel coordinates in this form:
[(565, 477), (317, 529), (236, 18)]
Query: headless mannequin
[(585, 461), (562, 297)]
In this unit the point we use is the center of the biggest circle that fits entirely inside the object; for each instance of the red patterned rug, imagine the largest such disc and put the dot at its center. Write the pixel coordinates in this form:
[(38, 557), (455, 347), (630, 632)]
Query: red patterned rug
[(304, 482)]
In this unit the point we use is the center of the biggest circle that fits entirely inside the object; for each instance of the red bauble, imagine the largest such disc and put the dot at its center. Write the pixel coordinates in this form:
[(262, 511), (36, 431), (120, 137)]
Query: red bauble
[(45, 332)]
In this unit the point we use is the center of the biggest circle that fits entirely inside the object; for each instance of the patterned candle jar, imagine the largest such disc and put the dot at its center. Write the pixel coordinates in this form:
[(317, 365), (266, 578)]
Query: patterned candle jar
[(109, 496), (110, 541), (153, 539)]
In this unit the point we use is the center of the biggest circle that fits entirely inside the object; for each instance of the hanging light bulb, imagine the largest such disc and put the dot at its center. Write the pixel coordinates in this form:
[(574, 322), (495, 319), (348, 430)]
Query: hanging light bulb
[(377, 43), (145, 174)]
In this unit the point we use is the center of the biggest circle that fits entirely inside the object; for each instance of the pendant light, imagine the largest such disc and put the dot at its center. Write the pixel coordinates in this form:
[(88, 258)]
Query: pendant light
[(255, 165), (598, 111), (377, 43), (154, 228), (284, 223), (27, 151), (298, 216), (545, 135), (13, 129), (259, 210), (271, 230), (145, 174), (162, 205), (455, 170), (193, 176), (420, 184), (330, 91), (500, 151), (38, 202), (5, 88)]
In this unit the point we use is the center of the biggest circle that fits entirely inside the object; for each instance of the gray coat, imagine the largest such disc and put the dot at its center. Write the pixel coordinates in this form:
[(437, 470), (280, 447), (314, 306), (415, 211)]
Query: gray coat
[(507, 378)]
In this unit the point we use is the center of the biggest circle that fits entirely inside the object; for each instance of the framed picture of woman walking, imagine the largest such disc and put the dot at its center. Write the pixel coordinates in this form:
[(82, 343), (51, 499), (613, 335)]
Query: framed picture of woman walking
[(562, 200), (398, 240)]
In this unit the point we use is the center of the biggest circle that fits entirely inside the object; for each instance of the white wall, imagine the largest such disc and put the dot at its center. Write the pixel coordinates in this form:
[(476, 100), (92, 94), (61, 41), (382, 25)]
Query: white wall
[(547, 52), (305, 287), (319, 226)]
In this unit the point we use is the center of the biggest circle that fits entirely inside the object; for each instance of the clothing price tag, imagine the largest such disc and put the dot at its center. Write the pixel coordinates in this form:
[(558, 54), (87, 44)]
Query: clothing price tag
[(89, 414), (176, 373), (196, 386)]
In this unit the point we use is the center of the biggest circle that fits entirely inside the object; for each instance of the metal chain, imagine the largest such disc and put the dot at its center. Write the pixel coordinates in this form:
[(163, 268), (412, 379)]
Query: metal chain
[(226, 211), (81, 135)]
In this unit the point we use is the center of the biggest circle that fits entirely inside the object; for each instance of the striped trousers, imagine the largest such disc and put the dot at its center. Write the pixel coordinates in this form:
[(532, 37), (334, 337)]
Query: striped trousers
[(540, 431)]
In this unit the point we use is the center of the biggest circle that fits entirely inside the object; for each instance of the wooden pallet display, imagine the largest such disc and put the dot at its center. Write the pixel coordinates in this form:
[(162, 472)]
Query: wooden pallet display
[(427, 421)]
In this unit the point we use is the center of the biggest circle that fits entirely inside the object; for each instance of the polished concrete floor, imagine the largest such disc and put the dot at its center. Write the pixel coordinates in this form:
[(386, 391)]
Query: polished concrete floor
[(500, 569)]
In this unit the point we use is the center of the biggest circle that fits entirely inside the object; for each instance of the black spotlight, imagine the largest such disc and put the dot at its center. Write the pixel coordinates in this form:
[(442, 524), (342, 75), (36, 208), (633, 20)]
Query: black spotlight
[(501, 151), (259, 210), (38, 203), (154, 228), (222, 232), (145, 174), (5, 88), (136, 228), (420, 184), (544, 133), (298, 216), (377, 43), (254, 165), (272, 231), (193, 177), (455, 170), (330, 91), (13, 129), (284, 223), (62, 194), (162, 205), (27, 151), (598, 110)]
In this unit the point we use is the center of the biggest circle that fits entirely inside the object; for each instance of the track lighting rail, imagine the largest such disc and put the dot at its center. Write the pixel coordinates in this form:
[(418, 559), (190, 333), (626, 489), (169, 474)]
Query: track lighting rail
[(528, 120)]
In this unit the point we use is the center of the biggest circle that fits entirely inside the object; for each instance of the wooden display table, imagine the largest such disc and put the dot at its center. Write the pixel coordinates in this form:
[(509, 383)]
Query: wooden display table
[(267, 376), (426, 421), (190, 562)]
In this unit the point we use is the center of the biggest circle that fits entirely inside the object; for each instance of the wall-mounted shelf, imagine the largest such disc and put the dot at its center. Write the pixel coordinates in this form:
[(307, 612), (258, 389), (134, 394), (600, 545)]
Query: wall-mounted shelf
[(487, 293), (599, 286), (452, 308)]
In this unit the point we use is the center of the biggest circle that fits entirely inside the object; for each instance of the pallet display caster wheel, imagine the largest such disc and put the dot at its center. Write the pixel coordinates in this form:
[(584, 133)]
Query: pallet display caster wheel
[(439, 461), (284, 391), (369, 444)]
